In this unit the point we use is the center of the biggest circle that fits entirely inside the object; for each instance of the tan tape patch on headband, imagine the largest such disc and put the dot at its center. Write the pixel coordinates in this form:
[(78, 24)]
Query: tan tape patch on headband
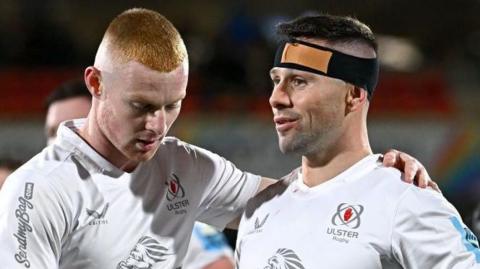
[(306, 56)]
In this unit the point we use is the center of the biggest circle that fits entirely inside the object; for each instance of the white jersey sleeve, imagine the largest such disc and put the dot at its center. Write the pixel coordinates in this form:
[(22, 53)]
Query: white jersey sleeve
[(227, 192), (429, 233), (32, 224)]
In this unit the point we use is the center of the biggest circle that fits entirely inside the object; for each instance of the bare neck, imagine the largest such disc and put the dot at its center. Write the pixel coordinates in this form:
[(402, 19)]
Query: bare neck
[(322, 166), (102, 145)]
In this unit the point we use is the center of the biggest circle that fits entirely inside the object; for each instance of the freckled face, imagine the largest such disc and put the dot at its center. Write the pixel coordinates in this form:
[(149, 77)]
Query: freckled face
[(139, 107)]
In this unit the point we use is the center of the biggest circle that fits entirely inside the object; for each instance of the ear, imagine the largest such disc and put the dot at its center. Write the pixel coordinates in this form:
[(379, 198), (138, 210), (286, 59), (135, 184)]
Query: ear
[(93, 80), (356, 98)]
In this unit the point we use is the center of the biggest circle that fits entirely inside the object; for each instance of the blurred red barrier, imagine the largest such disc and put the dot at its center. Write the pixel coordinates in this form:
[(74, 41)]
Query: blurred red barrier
[(400, 94), (24, 90), (408, 94)]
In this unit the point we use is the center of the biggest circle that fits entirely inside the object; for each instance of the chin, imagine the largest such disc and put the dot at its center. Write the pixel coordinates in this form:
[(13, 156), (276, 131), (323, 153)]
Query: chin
[(292, 147), (285, 145), (146, 156), (138, 155), (143, 157), (285, 148)]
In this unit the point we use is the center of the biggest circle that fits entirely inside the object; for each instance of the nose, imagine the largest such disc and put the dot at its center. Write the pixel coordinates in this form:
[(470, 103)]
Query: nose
[(156, 122), (280, 97)]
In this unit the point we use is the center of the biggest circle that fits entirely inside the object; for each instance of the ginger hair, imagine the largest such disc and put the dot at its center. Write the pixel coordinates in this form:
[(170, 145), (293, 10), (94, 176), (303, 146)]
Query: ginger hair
[(145, 36)]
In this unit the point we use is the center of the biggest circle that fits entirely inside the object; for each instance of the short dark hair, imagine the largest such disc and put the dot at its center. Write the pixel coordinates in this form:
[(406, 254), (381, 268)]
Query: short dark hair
[(335, 29), (10, 164), (69, 89)]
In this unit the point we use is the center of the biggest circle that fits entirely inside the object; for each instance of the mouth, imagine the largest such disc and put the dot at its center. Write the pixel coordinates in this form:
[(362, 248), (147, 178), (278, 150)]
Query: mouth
[(146, 145), (283, 124)]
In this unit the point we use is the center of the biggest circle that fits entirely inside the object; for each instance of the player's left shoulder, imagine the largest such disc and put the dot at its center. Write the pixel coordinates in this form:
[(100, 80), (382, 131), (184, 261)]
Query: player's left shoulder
[(267, 196), (417, 201), (174, 147), (385, 179), (171, 144)]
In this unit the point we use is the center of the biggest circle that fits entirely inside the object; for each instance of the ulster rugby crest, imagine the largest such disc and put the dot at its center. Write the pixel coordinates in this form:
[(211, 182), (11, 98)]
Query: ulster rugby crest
[(347, 215), (175, 189), (176, 196), (346, 220)]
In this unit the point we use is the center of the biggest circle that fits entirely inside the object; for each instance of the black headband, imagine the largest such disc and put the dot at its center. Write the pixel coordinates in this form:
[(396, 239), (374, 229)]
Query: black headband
[(301, 55)]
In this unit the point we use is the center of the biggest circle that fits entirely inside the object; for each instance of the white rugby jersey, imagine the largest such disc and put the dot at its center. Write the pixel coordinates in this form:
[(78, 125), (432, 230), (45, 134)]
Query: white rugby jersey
[(206, 246), (366, 217), (68, 207)]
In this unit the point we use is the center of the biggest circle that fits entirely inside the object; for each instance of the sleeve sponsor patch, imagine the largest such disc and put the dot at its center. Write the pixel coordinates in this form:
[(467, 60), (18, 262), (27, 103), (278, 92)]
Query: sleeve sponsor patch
[(469, 239), (24, 226)]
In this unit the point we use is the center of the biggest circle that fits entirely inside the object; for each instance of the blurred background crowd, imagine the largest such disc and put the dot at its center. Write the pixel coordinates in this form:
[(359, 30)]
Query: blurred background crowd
[(426, 103)]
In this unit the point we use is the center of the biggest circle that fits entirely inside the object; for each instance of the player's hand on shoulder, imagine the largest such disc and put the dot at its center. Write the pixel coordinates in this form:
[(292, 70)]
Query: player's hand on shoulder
[(413, 170)]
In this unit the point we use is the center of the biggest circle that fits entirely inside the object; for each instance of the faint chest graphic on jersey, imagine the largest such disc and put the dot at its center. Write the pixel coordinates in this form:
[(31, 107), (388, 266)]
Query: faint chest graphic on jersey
[(146, 253), (284, 259)]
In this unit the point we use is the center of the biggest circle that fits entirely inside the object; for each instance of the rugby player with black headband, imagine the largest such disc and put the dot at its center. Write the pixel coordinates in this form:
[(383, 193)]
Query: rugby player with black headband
[(309, 57), (114, 190), (342, 208)]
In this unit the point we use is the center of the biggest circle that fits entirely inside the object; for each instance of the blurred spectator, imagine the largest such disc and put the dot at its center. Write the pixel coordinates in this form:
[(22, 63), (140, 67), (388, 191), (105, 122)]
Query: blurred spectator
[(7, 166), (70, 100)]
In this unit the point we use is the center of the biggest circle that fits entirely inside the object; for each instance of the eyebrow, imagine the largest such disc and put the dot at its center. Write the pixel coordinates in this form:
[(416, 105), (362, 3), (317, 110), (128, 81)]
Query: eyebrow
[(143, 99), (137, 98), (286, 70), (272, 72)]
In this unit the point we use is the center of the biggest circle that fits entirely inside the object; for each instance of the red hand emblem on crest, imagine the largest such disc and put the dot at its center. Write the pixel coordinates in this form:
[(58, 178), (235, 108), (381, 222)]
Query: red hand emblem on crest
[(173, 186), (347, 215)]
